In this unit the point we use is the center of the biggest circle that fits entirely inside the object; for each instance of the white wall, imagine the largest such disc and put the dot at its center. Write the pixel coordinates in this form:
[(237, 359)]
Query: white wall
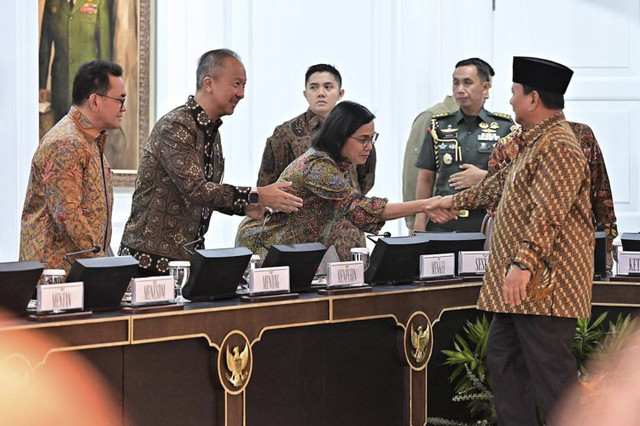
[(396, 57), (599, 41), (18, 114)]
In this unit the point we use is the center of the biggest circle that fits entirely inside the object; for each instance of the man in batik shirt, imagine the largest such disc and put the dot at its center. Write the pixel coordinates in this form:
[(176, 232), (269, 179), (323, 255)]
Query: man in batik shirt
[(70, 196), (601, 197), (291, 139), (179, 182), (540, 270)]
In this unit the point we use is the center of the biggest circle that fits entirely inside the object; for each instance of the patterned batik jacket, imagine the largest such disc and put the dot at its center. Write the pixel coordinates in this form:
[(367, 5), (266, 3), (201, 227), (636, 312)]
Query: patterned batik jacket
[(177, 188), (544, 221), (601, 196), (328, 200), (292, 139), (70, 196)]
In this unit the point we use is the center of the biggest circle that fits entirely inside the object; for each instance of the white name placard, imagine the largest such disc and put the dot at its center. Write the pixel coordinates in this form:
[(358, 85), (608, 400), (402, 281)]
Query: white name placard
[(269, 280), (472, 262), (60, 297), (628, 262), (147, 290), (437, 265), (341, 274)]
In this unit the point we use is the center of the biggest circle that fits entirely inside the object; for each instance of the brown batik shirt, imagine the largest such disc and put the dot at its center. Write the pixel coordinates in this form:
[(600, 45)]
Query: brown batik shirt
[(177, 188), (69, 198), (544, 221), (601, 196), (292, 139)]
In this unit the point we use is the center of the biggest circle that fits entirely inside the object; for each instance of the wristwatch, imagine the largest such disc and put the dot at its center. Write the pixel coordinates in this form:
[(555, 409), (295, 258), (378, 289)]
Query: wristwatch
[(254, 198), (521, 266)]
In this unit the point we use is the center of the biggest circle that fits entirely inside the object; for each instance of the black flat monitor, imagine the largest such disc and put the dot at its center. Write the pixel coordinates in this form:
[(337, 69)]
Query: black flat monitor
[(303, 261), (216, 273), (600, 254), (452, 242), (18, 281), (630, 241), (105, 280), (395, 260)]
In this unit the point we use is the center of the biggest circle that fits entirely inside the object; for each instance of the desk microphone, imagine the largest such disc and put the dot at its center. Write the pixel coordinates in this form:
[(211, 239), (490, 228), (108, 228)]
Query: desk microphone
[(94, 249), (267, 214), (192, 243)]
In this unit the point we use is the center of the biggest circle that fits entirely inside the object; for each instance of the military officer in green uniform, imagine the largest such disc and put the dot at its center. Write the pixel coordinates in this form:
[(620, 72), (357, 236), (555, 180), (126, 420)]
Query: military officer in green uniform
[(456, 150), (419, 128), (79, 30)]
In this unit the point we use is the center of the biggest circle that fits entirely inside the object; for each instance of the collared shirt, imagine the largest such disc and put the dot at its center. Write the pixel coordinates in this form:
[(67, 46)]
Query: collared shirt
[(70, 195), (601, 196), (291, 139), (177, 187), (328, 199), (544, 221)]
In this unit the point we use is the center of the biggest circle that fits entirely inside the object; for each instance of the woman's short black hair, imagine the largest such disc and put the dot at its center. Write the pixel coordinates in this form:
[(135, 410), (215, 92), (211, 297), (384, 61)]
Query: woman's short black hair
[(343, 121)]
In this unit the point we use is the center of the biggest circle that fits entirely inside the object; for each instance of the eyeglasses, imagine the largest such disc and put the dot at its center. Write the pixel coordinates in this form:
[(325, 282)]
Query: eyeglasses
[(121, 100), (364, 140)]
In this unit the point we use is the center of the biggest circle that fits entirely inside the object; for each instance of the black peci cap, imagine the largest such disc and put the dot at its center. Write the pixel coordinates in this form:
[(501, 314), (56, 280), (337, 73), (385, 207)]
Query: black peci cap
[(541, 74)]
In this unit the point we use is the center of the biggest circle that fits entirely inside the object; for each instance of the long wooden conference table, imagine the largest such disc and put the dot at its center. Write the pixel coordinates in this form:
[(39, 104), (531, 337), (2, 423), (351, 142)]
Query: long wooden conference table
[(358, 359)]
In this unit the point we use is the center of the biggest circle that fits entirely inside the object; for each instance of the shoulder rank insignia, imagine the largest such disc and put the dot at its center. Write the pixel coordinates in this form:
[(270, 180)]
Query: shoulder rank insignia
[(501, 115), (442, 114)]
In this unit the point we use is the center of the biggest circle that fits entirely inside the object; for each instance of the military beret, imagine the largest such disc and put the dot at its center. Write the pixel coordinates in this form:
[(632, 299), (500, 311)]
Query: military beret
[(541, 74)]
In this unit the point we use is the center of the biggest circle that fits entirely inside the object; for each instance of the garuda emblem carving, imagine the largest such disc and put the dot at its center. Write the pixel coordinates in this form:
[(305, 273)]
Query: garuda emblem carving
[(419, 341), (236, 363)]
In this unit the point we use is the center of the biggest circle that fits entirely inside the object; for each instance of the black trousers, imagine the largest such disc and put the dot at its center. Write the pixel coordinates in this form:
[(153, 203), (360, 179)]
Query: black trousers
[(529, 360)]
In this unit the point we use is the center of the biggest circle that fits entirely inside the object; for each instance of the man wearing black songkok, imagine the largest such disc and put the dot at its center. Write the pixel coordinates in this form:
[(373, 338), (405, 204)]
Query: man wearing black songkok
[(540, 270)]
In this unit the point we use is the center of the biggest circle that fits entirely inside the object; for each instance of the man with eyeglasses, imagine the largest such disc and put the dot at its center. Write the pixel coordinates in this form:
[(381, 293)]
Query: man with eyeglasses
[(456, 150), (323, 89), (69, 198), (179, 183)]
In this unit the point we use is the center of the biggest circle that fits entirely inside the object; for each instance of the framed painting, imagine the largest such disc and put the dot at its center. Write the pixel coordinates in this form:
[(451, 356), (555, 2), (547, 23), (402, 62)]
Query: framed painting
[(76, 31)]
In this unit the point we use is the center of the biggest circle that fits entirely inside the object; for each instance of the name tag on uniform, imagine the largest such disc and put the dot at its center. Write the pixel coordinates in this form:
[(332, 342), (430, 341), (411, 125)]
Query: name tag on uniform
[(437, 265), (472, 262), (269, 280), (60, 297), (629, 263), (342, 274), (147, 290)]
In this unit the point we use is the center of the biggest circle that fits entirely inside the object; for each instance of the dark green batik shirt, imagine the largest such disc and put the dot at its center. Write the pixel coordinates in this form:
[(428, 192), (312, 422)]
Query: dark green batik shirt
[(453, 140)]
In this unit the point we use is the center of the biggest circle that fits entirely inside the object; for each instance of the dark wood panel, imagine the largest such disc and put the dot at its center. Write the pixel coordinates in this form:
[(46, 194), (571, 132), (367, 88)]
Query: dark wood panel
[(319, 360), (404, 302), (172, 383), (616, 293), (217, 323), (337, 374)]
